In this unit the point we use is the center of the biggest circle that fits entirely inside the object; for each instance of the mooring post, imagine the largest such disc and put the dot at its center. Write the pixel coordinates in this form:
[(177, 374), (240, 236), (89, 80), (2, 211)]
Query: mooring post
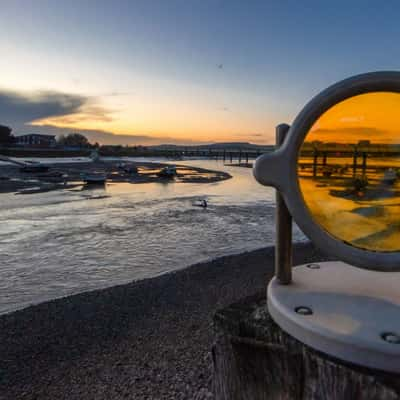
[(283, 245), (315, 163), (324, 158), (355, 156), (364, 163)]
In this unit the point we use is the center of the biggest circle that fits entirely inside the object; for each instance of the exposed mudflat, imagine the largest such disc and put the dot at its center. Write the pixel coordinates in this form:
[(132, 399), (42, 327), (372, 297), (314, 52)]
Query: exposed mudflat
[(70, 175)]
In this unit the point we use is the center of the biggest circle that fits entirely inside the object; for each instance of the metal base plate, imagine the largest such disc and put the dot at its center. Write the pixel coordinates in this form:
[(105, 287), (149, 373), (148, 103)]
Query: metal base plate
[(349, 313)]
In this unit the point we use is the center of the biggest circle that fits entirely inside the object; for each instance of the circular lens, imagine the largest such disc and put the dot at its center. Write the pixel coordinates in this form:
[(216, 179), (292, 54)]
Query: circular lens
[(349, 171)]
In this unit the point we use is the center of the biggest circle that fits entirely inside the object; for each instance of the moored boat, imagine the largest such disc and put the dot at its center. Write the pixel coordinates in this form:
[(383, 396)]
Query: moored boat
[(128, 168), (94, 179), (168, 172)]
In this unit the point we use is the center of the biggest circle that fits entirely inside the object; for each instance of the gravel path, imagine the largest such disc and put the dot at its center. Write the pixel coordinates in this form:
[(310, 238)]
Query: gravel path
[(149, 339)]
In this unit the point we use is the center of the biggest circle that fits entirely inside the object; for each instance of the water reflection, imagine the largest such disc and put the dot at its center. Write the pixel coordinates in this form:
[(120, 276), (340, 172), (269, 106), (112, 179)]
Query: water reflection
[(349, 170), (63, 242)]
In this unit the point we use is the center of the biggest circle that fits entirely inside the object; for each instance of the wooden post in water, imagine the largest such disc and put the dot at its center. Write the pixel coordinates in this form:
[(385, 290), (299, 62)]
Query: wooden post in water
[(355, 156), (315, 163), (324, 158), (364, 163), (240, 156)]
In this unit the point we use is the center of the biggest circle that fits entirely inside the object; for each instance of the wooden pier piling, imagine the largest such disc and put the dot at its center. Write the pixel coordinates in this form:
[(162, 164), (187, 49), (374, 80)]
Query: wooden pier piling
[(355, 156), (315, 163), (255, 359)]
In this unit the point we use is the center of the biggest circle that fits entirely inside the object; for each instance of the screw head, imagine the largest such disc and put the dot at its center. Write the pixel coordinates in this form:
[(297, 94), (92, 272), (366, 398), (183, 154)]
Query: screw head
[(313, 266), (391, 337), (302, 310)]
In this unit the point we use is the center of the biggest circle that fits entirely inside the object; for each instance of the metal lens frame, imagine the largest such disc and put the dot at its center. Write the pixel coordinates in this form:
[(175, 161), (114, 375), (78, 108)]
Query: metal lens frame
[(279, 169)]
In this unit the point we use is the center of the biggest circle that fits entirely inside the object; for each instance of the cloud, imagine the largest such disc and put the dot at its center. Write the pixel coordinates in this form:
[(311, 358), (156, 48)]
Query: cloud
[(250, 134), (35, 112), (23, 108), (352, 119), (353, 135), (86, 113), (117, 94), (256, 134), (350, 131), (41, 111)]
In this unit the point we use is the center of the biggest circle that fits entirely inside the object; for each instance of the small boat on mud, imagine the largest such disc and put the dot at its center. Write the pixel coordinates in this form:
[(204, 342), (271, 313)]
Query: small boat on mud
[(168, 172), (128, 168), (94, 179), (389, 177)]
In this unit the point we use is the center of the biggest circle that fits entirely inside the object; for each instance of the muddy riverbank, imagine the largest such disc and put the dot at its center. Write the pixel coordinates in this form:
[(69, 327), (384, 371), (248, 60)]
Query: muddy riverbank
[(71, 174)]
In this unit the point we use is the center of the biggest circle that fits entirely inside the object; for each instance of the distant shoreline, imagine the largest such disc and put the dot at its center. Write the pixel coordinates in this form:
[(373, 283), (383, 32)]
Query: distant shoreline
[(67, 175)]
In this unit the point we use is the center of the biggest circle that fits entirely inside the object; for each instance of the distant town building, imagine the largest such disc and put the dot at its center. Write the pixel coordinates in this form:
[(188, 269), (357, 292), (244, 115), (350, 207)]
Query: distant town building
[(36, 140)]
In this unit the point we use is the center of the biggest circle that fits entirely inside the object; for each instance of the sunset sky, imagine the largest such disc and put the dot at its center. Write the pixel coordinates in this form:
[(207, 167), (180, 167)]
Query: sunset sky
[(182, 71), (372, 116)]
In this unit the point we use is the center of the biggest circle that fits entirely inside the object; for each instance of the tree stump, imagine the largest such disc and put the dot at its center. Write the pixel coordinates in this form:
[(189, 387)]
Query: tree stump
[(255, 360)]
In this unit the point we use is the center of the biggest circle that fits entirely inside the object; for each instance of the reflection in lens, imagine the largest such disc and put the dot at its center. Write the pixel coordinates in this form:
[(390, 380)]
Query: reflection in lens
[(349, 171)]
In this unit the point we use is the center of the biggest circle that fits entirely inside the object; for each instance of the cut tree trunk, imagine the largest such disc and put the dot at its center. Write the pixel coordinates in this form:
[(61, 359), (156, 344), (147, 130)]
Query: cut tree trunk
[(255, 360)]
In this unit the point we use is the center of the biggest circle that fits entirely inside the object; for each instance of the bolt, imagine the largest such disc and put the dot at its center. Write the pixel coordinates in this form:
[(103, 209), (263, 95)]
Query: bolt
[(303, 310), (391, 337), (313, 266)]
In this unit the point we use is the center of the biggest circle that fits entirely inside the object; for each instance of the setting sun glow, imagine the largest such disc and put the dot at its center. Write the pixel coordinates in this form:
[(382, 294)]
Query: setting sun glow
[(372, 116)]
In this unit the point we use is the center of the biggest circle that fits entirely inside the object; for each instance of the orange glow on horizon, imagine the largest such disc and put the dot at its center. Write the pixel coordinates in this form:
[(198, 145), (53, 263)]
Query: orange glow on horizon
[(372, 116), (163, 122)]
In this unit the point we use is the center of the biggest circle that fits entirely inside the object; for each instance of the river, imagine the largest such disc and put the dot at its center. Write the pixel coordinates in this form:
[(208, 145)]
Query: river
[(60, 243)]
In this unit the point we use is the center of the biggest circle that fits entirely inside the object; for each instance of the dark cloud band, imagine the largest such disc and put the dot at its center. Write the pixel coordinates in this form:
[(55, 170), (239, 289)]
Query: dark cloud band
[(23, 108)]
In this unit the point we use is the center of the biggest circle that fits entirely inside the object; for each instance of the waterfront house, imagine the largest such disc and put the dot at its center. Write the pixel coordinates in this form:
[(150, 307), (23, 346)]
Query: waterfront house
[(36, 140)]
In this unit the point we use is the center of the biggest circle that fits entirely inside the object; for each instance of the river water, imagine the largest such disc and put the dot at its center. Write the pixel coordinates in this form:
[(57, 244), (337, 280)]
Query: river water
[(65, 242)]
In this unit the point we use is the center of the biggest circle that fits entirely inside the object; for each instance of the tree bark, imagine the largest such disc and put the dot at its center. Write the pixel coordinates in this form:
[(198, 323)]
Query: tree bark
[(255, 360)]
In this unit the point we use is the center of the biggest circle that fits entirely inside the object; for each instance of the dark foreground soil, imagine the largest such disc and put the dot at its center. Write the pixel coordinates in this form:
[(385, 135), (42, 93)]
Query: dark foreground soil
[(149, 339)]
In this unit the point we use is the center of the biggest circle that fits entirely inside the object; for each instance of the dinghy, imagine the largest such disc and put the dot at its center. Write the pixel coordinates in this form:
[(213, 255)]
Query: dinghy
[(94, 179), (168, 172)]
